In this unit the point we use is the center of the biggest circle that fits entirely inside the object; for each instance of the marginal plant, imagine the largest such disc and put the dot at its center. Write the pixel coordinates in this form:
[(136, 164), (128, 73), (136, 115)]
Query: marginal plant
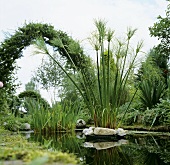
[(102, 88), (59, 118)]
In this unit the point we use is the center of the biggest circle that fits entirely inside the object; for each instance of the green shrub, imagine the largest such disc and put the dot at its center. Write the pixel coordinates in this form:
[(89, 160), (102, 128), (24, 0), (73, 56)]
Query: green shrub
[(157, 116), (12, 123), (151, 92), (164, 107), (150, 117), (160, 115), (133, 113), (3, 102), (131, 118)]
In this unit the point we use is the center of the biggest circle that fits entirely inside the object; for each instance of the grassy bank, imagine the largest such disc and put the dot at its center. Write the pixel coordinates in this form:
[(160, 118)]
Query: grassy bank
[(14, 147)]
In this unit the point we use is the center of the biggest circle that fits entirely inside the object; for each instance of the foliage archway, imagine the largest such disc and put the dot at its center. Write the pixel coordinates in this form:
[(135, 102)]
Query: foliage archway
[(12, 47)]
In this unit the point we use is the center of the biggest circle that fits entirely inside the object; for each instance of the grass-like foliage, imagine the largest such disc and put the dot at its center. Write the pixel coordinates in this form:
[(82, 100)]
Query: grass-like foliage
[(59, 118)]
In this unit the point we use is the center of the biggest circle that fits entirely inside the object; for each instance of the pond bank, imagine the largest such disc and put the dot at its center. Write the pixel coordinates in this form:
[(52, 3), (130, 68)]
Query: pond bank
[(152, 129), (15, 149)]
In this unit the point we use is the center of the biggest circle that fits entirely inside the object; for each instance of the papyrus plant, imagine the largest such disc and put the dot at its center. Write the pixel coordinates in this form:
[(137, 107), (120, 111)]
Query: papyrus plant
[(104, 87), (112, 82)]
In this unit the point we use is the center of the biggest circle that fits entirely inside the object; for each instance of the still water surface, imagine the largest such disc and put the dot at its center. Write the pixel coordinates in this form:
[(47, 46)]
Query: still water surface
[(133, 150)]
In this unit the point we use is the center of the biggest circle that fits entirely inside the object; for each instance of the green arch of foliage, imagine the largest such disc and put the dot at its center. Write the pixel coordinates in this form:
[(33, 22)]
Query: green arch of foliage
[(11, 48), (36, 96)]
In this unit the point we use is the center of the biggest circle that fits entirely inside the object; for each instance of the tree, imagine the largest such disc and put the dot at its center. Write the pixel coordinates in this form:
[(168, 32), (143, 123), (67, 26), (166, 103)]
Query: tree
[(33, 95), (31, 86), (161, 29), (50, 75)]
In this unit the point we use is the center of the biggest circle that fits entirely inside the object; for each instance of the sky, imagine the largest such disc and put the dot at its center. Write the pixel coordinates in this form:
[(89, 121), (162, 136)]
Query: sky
[(76, 18)]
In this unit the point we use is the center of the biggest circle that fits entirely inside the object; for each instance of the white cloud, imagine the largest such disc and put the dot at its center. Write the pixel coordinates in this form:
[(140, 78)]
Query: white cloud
[(76, 17)]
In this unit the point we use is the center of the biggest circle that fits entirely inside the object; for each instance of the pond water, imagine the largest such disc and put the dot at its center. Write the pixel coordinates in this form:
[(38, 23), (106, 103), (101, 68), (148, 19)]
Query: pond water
[(137, 149)]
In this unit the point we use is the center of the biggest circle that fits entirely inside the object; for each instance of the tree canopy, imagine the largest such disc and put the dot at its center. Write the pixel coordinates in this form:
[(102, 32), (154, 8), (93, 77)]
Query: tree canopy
[(161, 29)]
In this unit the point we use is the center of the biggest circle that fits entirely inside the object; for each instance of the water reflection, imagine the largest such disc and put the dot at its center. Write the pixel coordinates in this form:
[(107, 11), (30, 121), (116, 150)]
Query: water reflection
[(105, 144), (139, 150)]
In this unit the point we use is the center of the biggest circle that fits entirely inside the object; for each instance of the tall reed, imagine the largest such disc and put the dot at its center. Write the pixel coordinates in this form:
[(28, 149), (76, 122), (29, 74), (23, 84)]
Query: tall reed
[(58, 118), (104, 87)]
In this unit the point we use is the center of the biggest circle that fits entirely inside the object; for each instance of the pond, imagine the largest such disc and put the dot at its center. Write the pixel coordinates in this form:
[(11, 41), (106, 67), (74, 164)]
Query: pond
[(136, 149)]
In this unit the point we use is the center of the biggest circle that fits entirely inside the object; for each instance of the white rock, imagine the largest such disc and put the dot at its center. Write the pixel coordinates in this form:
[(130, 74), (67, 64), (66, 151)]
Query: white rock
[(88, 145), (88, 131), (22, 109), (104, 131), (104, 145), (80, 135), (92, 128), (121, 132)]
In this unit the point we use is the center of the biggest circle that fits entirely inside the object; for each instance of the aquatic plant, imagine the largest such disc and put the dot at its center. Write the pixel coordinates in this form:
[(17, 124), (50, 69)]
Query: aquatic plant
[(112, 82), (61, 117)]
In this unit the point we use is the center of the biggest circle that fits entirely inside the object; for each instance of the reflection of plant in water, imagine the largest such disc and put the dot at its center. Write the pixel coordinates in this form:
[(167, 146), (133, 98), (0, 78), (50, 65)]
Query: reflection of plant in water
[(151, 158), (141, 151), (110, 156), (149, 151), (145, 150), (62, 142)]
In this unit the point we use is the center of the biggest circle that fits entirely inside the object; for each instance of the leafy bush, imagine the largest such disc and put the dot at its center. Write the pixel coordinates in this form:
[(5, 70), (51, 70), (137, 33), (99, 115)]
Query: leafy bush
[(27, 95), (150, 117), (131, 117), (157, 116), (3, 101), (160, 115), (12, 123), (164, 107), (133, 113)]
